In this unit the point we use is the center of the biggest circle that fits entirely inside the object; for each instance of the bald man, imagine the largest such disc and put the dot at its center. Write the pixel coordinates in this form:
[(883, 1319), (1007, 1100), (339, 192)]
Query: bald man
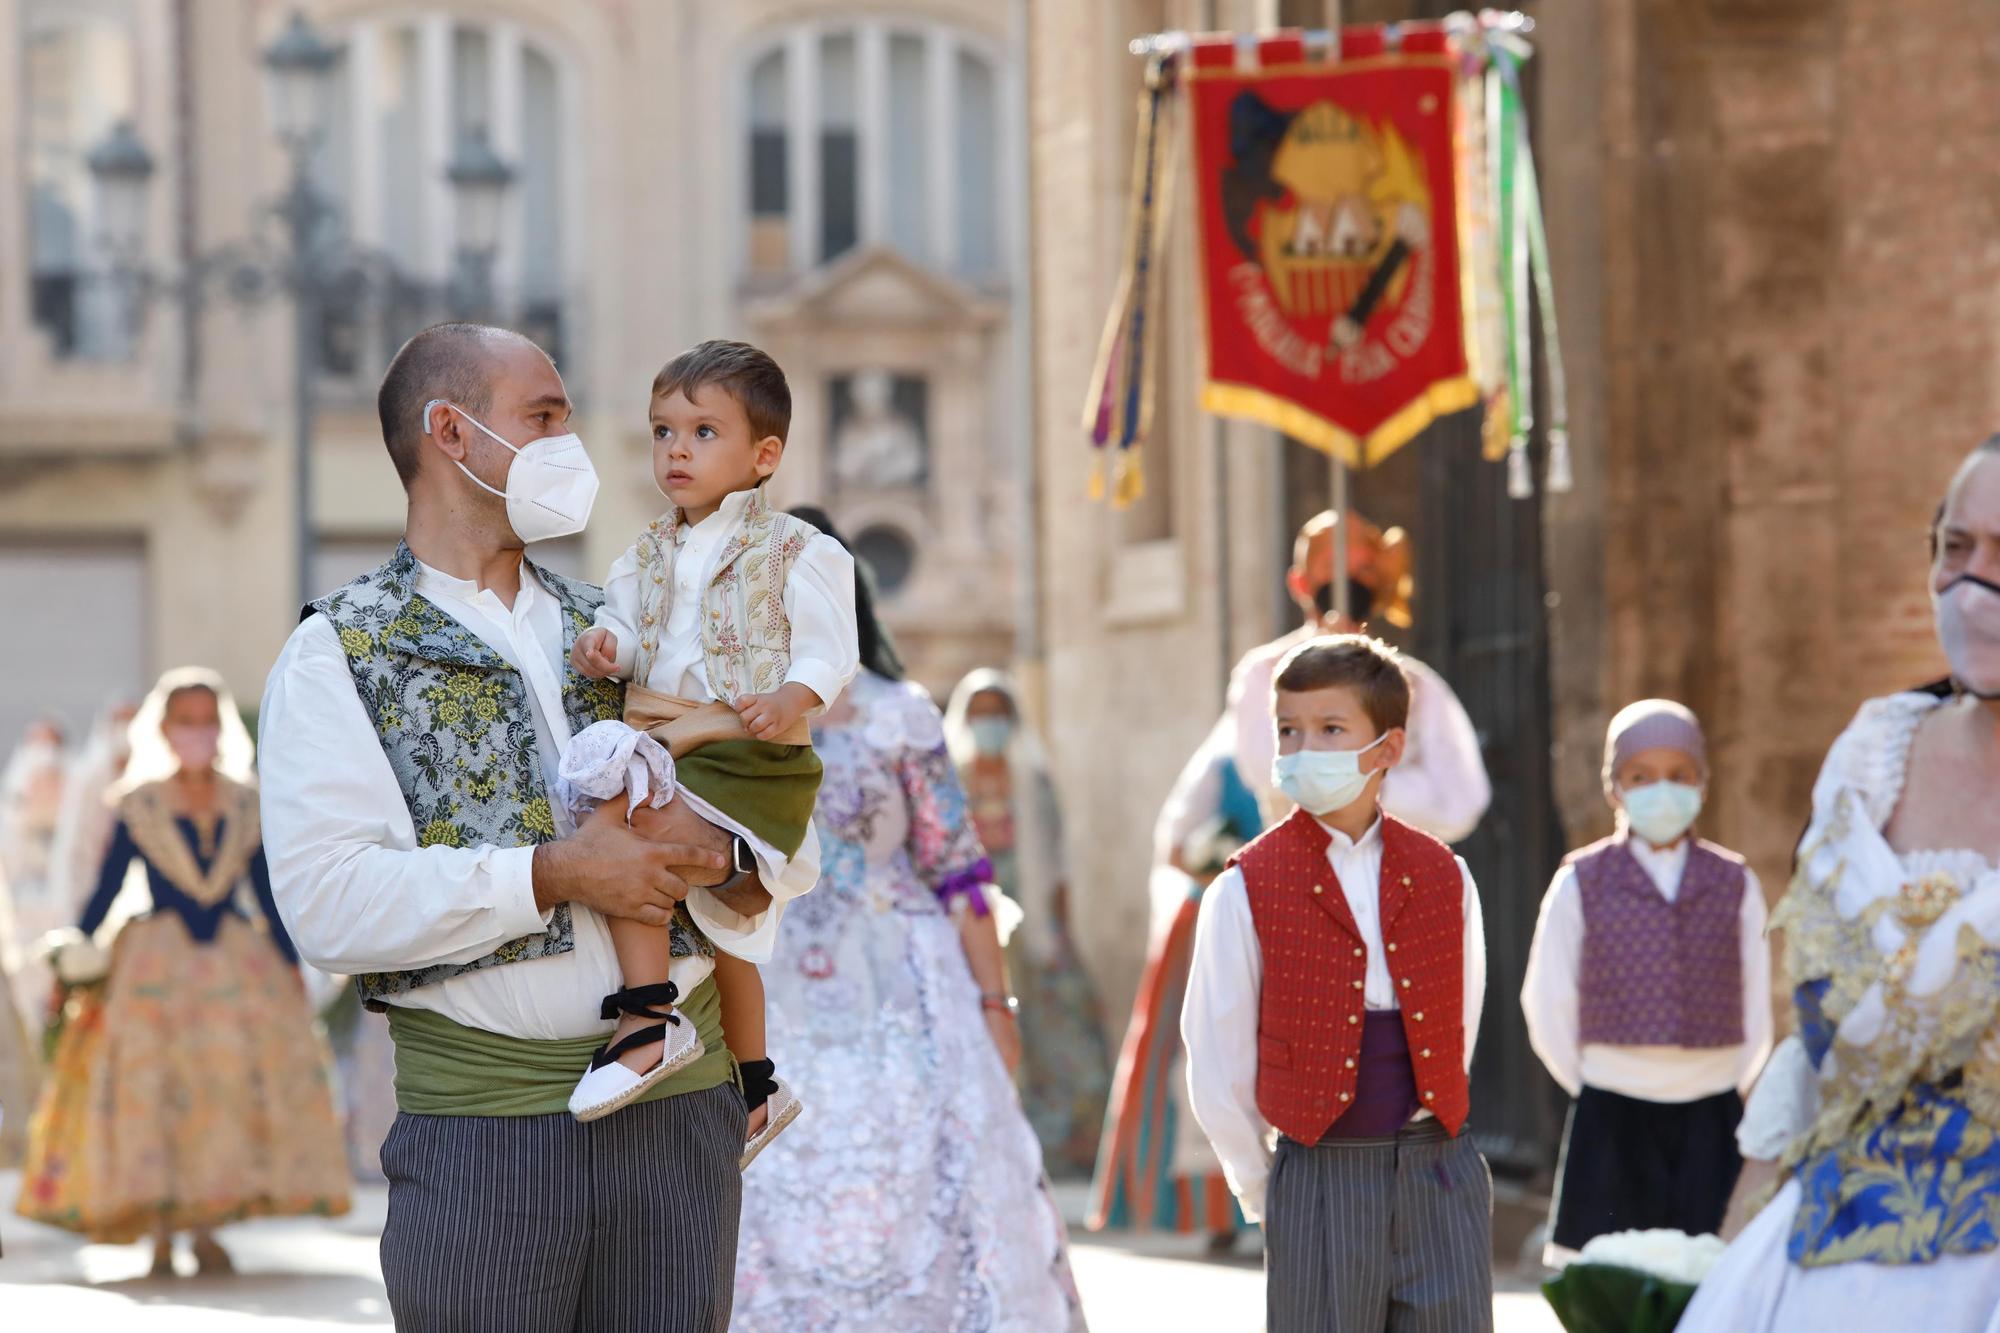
[(411, 732)]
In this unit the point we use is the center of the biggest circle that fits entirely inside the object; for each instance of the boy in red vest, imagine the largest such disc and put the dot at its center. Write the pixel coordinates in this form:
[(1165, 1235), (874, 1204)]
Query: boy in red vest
[(1647, 995), (1339, 970)]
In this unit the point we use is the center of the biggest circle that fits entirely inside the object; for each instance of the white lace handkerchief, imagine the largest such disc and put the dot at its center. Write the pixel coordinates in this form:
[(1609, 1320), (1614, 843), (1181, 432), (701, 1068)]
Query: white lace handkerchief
[(606, 758)]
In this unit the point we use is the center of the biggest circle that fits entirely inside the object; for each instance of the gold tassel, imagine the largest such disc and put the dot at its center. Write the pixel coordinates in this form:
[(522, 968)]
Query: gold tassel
[(1498, 427), (1129, 482), (1097, 477)]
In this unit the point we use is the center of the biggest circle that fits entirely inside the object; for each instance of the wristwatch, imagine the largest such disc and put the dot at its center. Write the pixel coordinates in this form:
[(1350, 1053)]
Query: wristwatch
[(742, 863)]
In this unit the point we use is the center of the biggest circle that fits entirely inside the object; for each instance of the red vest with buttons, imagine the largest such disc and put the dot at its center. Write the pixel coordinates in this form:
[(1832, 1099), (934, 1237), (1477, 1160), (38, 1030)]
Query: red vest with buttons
[(1315, 964)]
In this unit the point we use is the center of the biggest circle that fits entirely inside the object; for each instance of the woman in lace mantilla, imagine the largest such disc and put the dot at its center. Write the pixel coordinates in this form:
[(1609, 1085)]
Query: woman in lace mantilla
[(911, 1196)]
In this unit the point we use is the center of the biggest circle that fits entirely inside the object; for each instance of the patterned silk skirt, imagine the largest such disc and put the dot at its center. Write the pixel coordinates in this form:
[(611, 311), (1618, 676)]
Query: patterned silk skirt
[(188, 1091), (20, 1075), (1155, 1170), (910, 1194)]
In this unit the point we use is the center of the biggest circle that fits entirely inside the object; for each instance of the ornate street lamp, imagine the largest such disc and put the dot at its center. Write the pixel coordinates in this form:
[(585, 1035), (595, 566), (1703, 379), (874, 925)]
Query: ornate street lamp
[(121, 168), (315, 270), (479, 181), (298, 71)]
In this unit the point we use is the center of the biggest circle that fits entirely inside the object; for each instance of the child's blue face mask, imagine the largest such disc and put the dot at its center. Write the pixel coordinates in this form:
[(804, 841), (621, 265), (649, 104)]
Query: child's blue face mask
[(1320, 782), (991, 735), (1662, 812)]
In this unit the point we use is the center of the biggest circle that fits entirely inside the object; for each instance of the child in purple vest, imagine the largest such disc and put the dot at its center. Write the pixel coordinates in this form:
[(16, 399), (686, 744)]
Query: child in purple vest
[(1647, 996)]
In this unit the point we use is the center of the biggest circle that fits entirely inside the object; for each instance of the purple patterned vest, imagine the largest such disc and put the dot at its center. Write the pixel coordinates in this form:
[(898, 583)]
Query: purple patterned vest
[(1659, 973)]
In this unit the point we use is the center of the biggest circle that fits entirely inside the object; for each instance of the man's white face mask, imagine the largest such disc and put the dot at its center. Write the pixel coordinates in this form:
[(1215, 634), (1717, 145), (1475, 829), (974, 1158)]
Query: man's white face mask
[(550, 487)]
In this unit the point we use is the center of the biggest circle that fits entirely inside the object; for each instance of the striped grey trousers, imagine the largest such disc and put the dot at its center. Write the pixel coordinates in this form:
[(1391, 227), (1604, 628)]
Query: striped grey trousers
[(539, 1224), (1387, 1235)]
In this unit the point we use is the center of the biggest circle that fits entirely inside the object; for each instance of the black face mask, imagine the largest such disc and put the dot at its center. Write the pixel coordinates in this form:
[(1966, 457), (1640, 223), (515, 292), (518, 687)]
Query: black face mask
[(1360, 600), (1973, 579)]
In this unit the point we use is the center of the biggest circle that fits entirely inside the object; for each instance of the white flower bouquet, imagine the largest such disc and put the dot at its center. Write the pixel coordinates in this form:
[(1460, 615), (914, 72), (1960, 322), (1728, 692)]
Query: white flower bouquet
[(1632, 1281), (74, 957)]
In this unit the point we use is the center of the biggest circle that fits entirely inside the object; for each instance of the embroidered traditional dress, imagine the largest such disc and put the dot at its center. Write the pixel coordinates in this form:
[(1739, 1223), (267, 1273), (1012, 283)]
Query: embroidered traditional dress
[(20, 1079), (912, 1196), (1887, 1102), (1155, 1169), (190, 1091), (1065, 1071)]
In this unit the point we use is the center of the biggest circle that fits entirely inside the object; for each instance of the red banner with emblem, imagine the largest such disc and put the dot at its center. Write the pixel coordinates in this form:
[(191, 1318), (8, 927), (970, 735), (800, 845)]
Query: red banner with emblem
[(1329, 238)]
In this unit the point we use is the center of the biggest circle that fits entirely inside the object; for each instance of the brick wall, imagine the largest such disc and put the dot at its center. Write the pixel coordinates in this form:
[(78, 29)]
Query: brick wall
[(1775, 214)]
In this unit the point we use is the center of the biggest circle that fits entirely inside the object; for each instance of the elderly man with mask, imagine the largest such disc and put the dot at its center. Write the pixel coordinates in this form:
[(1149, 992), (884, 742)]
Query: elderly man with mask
[(412, 729), (1883, 1112), (1441, 785)]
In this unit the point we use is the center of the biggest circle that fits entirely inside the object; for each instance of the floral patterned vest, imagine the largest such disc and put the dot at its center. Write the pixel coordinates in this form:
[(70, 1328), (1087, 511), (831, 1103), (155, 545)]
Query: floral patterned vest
[(746, 637), (453, 718)]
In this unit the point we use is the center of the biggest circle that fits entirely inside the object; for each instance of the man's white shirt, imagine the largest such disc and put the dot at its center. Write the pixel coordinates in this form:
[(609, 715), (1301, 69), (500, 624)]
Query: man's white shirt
[(358, 894)]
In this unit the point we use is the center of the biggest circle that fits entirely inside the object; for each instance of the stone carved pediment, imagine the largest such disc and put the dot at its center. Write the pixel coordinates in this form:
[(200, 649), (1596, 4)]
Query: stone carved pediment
[(875, 287), (228, 470)]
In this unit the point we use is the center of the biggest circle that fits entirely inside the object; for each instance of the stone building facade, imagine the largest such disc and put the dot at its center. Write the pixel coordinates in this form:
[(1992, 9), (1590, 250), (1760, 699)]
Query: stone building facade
[(843, 185), (1772, 244)]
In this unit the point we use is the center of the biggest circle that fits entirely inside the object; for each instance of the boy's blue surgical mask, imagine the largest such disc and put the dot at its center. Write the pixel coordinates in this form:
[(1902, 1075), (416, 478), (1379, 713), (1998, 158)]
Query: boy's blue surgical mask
[(1662, 812), (991, 735), (1320, 782)]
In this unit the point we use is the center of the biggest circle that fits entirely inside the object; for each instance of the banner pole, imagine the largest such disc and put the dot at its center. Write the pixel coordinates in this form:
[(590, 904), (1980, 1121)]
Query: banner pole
[(1342, 603)]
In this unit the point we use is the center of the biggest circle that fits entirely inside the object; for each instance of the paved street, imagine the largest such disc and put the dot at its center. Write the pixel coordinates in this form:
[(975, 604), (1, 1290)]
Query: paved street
[(297, 1275)]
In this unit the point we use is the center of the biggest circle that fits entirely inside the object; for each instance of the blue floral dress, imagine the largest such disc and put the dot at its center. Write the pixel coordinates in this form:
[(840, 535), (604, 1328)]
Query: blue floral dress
[(1885, 1107)]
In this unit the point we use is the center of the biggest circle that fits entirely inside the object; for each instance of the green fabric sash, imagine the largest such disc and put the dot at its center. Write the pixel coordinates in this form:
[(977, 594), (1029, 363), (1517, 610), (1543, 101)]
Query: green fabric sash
[(769, 788), (445, 1068)]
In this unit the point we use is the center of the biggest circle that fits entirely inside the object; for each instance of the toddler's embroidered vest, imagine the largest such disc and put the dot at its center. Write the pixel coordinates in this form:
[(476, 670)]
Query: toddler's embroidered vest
[(746, 637)]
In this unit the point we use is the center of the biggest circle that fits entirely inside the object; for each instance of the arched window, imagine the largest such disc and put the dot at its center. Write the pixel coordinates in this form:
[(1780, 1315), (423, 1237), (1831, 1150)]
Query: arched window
[(77, 67), (408, 87), (886, 133)]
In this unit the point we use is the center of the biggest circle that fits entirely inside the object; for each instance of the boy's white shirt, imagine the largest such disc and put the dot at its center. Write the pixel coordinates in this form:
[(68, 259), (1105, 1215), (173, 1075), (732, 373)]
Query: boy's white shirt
[(1551, 998), (1225, 984), (819, 602)]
